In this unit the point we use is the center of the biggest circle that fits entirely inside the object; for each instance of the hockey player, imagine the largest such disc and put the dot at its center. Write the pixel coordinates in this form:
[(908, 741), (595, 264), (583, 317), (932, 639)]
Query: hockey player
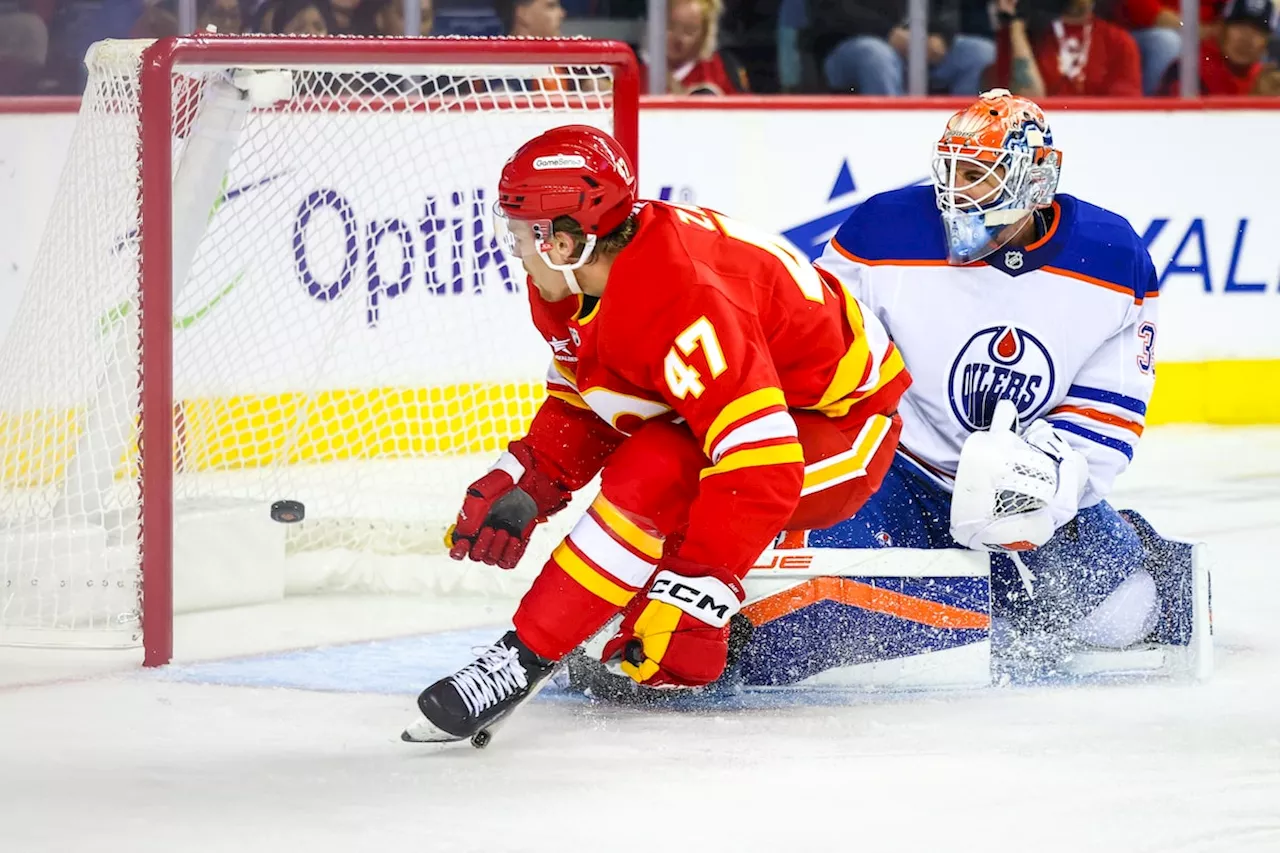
[(724, 389), (1028, 320)]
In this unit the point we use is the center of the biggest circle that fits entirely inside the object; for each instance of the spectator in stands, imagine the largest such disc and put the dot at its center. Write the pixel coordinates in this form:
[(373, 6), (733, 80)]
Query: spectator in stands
[(299, 18), (223, 15), (862, 46), (1232, 57), (1075, 53), (386, 18), (1156, 27), (1268, 85), (694, 65), (155, 22), (24, 45), (343, 10), (533, 18)]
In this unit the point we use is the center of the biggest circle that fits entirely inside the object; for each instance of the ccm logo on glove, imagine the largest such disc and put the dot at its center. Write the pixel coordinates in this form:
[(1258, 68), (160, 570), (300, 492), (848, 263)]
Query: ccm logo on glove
[(709, 599)]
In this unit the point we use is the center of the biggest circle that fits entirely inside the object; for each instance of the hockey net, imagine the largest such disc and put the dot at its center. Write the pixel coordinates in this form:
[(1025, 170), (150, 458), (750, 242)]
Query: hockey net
[(269, 274)]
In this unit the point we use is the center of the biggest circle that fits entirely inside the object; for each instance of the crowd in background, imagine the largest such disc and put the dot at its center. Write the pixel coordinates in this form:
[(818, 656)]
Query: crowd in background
[(724, 47)]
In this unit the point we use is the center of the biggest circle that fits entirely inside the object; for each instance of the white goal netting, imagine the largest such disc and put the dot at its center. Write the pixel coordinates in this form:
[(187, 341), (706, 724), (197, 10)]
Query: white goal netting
[(345, 331)]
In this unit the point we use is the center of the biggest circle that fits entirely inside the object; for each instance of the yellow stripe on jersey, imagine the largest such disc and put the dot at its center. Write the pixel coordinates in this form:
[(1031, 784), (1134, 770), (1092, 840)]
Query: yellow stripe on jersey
[(756, 457), (890, 369), (590, 579), (852, 463), (853, 364), (644, 542), (569, 397), (567, 373), (745, 406)]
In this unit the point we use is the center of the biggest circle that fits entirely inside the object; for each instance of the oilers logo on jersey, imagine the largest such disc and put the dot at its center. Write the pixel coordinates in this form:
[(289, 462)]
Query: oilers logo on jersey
[(1000, 362)]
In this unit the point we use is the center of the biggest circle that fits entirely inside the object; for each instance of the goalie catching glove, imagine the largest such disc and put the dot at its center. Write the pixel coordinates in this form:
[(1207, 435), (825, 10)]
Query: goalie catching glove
[(502, 508), (1013, 491), (676, 631)]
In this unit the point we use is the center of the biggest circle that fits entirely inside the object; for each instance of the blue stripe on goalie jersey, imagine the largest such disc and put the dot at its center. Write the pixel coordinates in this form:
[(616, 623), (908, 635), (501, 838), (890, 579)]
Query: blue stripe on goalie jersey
[(1101, 395), (1096, 437)]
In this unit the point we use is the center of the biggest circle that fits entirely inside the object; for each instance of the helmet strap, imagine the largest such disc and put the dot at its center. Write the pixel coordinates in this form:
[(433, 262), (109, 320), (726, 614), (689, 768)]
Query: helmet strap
[(588, 247), (572, 281), (567, 269)]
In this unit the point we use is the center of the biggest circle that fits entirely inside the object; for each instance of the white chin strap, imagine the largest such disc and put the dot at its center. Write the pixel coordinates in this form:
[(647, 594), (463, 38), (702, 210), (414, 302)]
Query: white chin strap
[(567, 269), (572, 281)]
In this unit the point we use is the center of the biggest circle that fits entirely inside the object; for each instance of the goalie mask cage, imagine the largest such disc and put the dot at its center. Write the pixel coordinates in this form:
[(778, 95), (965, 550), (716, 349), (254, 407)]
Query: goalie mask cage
[(269, 274)]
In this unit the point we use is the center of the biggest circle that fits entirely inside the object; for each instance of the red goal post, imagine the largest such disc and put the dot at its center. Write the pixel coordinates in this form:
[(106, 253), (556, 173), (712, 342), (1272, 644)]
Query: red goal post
[(226, 419)]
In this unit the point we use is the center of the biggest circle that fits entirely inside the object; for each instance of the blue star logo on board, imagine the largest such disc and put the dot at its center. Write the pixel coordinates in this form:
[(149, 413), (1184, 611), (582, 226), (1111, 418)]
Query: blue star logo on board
[(812, 237)]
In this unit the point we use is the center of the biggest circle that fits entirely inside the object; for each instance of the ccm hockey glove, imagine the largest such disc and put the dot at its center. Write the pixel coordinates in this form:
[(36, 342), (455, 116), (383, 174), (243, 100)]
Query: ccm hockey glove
[(502, 508), (676, 632)]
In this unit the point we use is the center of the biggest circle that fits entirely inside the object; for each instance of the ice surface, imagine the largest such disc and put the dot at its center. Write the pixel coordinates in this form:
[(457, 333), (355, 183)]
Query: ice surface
[(143, 761)]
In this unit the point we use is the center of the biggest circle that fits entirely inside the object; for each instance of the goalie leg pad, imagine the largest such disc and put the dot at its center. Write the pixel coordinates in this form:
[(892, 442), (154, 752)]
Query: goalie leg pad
[(1123, 618), (1181, 572), (1070, 575)]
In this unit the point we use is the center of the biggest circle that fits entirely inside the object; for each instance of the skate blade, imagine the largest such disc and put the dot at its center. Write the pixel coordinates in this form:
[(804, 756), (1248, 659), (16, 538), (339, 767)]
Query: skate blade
[(422, 730)]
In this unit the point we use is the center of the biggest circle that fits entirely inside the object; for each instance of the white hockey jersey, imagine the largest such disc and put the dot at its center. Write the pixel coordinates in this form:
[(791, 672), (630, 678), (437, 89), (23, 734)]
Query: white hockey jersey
[(1065, 327)]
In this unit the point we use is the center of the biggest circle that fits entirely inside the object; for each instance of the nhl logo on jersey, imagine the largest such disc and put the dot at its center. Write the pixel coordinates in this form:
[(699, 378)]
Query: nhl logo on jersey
[(1013, 260), (573, 333), (998, 363)]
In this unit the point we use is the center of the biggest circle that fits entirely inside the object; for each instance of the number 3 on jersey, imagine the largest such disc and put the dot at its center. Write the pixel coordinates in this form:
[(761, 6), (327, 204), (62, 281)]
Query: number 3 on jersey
[(683, 378)]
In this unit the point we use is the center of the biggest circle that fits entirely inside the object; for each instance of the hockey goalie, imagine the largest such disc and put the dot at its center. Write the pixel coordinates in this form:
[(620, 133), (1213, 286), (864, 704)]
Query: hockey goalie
[(1028, 318), (724, 389)]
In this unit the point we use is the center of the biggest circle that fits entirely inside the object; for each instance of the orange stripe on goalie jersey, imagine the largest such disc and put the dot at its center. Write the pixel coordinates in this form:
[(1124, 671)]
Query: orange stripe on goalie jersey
[(1101, 417)]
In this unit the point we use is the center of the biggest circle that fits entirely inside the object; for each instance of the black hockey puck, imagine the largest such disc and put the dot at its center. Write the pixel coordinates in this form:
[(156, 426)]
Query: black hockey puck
[(288, 512)]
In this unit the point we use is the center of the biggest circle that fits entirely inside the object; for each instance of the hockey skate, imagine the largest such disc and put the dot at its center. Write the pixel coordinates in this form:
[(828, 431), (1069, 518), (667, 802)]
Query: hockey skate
[(473, 701)]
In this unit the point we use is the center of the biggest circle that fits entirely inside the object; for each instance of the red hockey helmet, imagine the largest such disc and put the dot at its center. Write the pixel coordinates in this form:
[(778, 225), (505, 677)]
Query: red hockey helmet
[(575, 170)]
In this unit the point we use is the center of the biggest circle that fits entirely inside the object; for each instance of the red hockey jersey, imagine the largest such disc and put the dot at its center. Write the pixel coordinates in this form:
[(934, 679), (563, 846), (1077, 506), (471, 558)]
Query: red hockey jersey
[(711, 320)]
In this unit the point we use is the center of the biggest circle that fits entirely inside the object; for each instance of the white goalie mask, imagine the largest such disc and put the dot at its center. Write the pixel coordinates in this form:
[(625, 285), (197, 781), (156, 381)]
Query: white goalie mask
[(994, 166)]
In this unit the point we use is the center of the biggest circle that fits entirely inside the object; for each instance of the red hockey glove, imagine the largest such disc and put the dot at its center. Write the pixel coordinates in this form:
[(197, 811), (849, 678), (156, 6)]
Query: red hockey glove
[(676, 631), (502, 508)]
